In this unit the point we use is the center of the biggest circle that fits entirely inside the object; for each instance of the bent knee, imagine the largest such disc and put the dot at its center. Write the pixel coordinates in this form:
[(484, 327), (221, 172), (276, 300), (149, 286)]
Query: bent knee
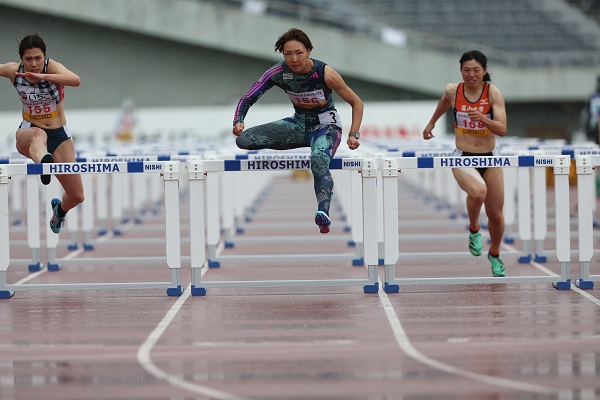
[(77, 197)]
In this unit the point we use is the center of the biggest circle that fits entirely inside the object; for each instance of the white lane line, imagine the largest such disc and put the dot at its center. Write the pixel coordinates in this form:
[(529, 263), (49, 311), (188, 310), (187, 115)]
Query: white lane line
[(548, 272), (406, 346), (144, 359)]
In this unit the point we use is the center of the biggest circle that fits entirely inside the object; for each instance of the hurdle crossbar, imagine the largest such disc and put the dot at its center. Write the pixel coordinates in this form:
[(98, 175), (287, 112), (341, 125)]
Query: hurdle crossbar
[(391, 166), (200, 171), (170, 173)]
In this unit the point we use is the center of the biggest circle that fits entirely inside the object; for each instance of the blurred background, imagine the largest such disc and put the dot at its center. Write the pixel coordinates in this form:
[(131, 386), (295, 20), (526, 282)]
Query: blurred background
[(176, 68)]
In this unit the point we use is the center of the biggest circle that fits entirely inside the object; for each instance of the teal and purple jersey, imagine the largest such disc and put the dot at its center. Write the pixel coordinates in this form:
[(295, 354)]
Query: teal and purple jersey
[(311, 97)]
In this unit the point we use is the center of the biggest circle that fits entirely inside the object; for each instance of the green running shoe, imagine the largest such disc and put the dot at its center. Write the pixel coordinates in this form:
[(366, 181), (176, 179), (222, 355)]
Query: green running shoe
[(475, 243), (497, 266)]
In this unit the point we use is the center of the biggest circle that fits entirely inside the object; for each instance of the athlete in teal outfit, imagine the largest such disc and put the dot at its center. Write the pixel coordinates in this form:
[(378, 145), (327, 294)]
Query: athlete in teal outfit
[(309, 83)]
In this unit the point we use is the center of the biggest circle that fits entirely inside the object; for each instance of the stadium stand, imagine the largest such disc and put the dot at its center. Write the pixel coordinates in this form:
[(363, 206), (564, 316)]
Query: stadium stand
[(522, 33)]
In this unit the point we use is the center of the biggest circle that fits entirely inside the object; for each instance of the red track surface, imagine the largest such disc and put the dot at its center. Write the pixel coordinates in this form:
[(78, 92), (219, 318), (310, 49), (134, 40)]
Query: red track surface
[(480, 341)]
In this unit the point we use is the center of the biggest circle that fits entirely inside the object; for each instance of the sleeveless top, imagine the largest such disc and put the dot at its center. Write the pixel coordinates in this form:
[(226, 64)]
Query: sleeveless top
[(308, 92), (39, 99), (462, 123)]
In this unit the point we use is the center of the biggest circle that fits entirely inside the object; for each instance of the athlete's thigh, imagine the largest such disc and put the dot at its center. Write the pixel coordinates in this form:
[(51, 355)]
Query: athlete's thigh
[(494, 180), (326, 138), (24, 137), (65, 153), (279, 135), (469, 180)]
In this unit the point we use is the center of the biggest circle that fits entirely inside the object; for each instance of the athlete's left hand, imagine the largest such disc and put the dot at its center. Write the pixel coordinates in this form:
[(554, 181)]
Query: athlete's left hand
[(353, 143), (31, 76)]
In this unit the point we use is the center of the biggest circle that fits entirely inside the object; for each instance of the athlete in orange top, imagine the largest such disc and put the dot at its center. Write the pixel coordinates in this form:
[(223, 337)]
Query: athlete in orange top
[(479, 116), (43, 135)]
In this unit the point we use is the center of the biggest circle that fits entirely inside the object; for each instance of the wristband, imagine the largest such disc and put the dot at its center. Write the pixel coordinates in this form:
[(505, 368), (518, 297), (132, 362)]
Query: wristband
[(355, 134)]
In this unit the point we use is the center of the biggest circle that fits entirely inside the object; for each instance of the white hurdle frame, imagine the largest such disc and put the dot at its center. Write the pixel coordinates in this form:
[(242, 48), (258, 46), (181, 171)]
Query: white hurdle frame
[(561, 165), (199, 187), (586, 199), (170, 172)]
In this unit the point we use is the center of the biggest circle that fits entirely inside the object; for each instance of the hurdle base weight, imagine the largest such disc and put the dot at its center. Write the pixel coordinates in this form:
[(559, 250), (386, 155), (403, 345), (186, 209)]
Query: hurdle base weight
[(6, 294), (374, 288), (53, 266), (175, 291), (566, 285), (198, 291), (35, 267), (391, 287), (583, 284)]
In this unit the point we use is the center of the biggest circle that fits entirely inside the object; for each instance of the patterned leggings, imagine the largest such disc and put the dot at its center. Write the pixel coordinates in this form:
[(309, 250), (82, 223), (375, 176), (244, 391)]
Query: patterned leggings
[(293, 133)]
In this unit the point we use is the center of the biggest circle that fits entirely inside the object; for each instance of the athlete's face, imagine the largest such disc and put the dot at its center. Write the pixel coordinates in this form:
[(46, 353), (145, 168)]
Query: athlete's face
[(472, 73), (296, 57), (33, 60)]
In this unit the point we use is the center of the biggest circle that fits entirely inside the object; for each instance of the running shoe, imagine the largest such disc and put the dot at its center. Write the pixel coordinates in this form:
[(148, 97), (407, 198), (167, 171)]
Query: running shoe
[(475, 243), (56, 221), (46, 159), (497, 266), (322, 219)]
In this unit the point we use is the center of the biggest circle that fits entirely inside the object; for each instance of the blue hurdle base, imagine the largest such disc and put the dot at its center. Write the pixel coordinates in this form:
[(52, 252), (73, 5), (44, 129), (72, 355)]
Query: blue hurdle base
[(229, 245), (525, 259), (391, 287), (214, 264), (351, 243), (6, 294), (239, 230), (88, 247), (53, 267), (374, 288), (358, 262), (198, 291), (581, 284), (566, 285), (73, 246), (540, 258), (175, 291), (509, 240), (35, 267)]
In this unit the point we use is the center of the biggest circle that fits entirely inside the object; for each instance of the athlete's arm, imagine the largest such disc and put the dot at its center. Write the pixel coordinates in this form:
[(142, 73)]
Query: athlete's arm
[(443, 106), (8, 70), (497, 125), (334, 81), (56, 73)]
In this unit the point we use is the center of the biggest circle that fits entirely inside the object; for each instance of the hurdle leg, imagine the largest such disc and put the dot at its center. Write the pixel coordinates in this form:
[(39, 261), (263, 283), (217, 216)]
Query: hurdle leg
[(52, 190), (87, 211), (390, 210), (369, 184), (585, 197), (540, 210), (197, 226), (172, 224), (212, 218), (563, 221), (356, 210), (33, 221), (524, 206), (4, 244)]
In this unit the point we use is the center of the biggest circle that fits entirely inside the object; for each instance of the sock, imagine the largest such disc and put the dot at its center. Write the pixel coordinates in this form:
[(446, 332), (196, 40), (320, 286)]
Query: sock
[(61, 213)]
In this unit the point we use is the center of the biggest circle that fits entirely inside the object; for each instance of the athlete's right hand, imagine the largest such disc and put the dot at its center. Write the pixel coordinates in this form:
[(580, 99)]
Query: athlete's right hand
[(427, 134), (238, 129)]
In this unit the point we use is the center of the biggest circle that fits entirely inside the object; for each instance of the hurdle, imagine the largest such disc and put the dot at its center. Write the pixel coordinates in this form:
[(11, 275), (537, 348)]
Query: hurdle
[(199, 176), (170, 173), (391, 166), (216, 205), (586, 199)]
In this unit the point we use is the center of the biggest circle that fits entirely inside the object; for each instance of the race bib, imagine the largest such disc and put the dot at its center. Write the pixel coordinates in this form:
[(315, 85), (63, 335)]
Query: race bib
[(39, 111), (330, 118), (467, 126), (308, 100)]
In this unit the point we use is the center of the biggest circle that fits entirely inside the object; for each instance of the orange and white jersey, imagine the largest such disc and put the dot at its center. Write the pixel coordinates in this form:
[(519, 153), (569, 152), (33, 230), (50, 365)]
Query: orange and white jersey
[(462, 123)]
